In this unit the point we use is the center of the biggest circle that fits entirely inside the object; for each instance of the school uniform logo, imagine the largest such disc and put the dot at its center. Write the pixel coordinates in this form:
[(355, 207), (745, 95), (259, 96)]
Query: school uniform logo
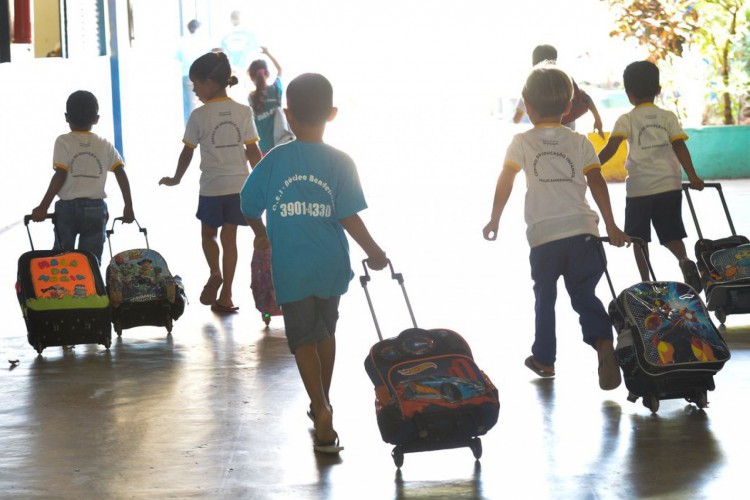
[(553, 166)]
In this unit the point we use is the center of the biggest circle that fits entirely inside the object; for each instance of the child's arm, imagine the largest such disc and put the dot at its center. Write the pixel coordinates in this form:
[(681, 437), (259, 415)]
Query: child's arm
[(354, 225), (128, 215), (683, 154), (502, 193), (183, 162), (276, 64), (58, 179), (600, 193), (597, 118), (609, 149), (253, 154), (259, 229)]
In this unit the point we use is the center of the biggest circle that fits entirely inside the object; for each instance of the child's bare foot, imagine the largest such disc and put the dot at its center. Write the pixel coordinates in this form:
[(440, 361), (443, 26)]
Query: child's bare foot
[(609, 370), (211, 289)]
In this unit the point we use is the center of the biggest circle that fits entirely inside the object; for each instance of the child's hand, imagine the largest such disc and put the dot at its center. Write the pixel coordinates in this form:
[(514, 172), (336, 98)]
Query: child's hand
[(490, 230), (169, 181), (377, 262), (263, 50), (697, 184), (616, 237), (598, 127), (261, 243), (128, 215), (39, 214)]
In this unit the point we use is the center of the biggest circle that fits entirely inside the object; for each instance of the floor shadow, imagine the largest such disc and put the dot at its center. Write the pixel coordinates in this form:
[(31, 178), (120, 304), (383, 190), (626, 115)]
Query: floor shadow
[(671, 455)]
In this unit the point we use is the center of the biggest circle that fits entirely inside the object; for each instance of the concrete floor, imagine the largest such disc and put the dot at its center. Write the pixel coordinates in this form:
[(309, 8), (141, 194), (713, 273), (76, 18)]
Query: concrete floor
[(216, 410)]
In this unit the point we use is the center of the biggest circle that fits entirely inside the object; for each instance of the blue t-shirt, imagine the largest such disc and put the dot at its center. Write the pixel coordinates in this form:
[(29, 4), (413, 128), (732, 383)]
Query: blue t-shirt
[(264, 120), (305, 189)]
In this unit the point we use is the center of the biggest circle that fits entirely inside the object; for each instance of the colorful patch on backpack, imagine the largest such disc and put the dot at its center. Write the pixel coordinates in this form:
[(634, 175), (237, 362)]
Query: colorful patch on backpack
[(674, 325), (60, 276), (139, 275), (446, 381), (64, 281), (732, 264)]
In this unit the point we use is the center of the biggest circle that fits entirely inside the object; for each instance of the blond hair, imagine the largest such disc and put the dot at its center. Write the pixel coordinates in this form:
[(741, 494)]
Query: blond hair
[(548, 90)]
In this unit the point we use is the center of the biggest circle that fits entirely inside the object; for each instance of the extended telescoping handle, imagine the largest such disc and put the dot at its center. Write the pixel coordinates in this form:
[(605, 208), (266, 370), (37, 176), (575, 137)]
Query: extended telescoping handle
[(111, 231), (394, 275), (717, 185), (636, 241), (28, 218)]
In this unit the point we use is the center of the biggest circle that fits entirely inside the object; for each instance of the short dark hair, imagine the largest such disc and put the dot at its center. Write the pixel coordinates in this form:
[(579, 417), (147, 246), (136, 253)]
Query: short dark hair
[(309, 98), (193, 25), (82, 108), (641, 79), (543, 53), (213, 66)]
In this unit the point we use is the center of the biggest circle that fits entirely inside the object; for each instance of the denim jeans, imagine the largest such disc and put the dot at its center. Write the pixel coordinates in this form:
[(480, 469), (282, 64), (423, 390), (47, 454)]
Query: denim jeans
[(578, 260), (83, 218)]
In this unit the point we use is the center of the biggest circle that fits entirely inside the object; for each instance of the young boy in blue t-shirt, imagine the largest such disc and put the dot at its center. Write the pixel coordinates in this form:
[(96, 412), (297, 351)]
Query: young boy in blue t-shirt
[(311, 195)]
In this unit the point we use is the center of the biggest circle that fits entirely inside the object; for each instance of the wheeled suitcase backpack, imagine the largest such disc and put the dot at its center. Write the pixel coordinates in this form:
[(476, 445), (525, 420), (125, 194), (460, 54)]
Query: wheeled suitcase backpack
[(261, 285), (429, 392), (141, 289), (62, 297), (724, 264), (667, 346)]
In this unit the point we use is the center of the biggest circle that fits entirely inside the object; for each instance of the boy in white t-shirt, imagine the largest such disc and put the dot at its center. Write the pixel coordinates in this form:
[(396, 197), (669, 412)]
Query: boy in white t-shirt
[(656, 149), (81, 160), (561, 227)]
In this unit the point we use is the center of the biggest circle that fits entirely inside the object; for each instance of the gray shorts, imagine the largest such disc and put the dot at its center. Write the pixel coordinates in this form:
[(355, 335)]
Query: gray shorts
[(310, 320)]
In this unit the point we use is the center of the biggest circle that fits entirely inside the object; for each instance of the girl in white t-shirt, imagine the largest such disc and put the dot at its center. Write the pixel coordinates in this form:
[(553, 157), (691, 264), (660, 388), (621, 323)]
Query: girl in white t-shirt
[(228, 139)]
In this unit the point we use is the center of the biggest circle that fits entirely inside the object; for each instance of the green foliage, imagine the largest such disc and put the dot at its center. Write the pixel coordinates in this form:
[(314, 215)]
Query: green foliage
[(717, 28)]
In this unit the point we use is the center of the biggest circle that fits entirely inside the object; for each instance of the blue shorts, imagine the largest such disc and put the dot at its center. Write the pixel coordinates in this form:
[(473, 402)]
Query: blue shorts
[(663, 210), (310, 320), (215, 211)]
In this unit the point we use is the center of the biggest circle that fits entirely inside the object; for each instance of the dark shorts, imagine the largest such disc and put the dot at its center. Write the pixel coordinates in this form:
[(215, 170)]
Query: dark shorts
[(310, 320), (215, 211), (663, 210)]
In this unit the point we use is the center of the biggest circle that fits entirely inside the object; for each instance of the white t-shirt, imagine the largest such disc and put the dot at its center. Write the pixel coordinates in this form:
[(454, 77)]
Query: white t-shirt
[(222, 128), (651, 164), (555, 160), (87, 158)]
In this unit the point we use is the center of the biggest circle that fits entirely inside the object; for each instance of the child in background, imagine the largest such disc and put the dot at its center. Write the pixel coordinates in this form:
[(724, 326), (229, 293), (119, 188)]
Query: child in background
[(311, 195), (226, 133), (656, 149), (561, 227), (266, 101), (81, 160), (582, 102)]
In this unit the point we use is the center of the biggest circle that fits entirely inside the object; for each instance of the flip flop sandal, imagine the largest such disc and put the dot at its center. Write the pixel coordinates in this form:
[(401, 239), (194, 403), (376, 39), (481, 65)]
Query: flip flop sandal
[(208, 295), (531, 365), (218, 308), (331, 448)]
